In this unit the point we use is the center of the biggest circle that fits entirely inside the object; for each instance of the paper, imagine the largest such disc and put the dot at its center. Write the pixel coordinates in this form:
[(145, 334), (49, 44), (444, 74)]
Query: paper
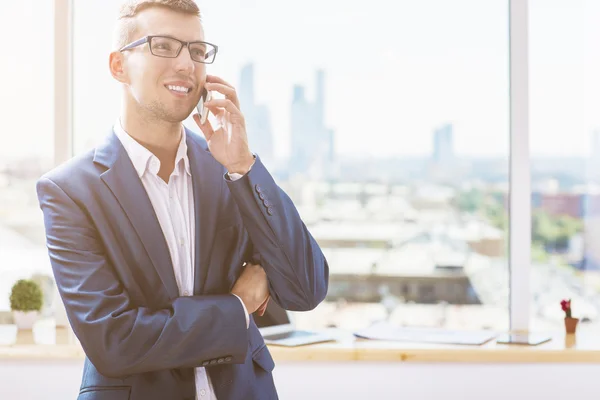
[(386, 331)]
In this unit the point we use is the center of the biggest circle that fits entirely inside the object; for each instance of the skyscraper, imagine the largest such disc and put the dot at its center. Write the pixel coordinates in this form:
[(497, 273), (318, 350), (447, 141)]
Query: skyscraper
[(302, 131), (312, 142), (443, 145), (320, 98), (258, 119), (247, 86)]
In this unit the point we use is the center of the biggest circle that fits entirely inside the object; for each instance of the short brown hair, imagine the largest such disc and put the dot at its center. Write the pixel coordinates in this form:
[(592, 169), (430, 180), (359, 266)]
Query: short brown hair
[(125, 28)]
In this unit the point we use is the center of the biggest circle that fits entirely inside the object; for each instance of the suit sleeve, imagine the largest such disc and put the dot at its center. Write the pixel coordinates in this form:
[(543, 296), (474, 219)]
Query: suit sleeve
[(296, 268), (119, 337)]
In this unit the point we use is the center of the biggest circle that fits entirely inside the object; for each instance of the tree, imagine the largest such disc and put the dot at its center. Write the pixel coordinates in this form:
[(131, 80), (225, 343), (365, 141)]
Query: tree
[(554, 232), (469, 201)]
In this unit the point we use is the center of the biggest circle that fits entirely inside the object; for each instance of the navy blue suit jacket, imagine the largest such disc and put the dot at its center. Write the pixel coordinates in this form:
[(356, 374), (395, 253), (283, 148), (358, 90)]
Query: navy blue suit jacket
[(114, 274)]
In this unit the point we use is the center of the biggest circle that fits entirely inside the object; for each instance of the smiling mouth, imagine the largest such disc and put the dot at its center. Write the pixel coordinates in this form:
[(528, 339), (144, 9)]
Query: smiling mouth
[(178, 89)]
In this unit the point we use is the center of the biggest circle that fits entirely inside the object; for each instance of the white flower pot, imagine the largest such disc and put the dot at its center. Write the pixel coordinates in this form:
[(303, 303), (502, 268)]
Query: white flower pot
[(25, 319)]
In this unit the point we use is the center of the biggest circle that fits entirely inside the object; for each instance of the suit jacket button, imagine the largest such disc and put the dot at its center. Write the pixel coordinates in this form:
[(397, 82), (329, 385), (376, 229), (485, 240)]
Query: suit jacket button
[(220, 361), (261, 196), (257, 188), (228, 358), (267, 203), (205, 363), (213, 362), (270, 211)]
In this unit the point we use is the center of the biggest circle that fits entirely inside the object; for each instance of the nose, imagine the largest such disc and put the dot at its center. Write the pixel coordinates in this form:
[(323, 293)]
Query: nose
[(184, 62)]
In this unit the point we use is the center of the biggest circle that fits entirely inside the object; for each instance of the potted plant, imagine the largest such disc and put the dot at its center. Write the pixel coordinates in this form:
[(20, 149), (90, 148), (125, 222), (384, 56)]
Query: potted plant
[(570, 322), (26, 300)]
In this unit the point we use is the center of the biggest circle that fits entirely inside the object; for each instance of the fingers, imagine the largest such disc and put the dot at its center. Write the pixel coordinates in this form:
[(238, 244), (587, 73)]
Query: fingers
[(263, 307), (258, 269), (216, 79), (252, 287), (214, 105), (206, 127), (228, 91)]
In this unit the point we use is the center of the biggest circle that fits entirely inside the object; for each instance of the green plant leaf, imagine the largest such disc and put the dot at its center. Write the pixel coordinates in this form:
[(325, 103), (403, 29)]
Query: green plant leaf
[(26, 295)]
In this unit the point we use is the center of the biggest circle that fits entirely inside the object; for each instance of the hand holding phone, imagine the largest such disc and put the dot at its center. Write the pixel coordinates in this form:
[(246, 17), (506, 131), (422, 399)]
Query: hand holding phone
[(224, 127)]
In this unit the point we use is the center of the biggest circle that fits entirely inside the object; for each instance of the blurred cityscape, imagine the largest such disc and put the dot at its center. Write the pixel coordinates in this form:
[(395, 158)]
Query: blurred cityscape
[(420, 241)]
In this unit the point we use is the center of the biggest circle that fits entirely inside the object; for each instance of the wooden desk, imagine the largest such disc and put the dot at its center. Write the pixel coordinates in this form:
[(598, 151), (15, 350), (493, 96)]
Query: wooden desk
[(561, 349), (352, 369)]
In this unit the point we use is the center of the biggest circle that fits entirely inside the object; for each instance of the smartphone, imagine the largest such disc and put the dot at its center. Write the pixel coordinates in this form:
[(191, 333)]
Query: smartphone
[(203, 111)]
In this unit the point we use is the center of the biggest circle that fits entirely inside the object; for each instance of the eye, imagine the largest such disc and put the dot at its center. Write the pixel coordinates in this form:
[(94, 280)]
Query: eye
[(199, 53)]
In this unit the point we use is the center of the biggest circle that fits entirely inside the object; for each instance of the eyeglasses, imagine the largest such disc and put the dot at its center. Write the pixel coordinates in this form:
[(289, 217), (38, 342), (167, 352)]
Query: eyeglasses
[(168, 47)]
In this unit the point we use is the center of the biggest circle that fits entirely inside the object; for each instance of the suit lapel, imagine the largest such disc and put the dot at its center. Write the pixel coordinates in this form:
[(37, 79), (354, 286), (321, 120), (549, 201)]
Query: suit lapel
[(125, 184), (207, 178)]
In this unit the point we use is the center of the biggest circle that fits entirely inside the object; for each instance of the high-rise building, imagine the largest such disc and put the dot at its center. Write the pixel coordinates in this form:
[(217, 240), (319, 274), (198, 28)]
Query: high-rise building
[(258, 119), (320, 98), (313, 149), (443, 145), (246, 89)]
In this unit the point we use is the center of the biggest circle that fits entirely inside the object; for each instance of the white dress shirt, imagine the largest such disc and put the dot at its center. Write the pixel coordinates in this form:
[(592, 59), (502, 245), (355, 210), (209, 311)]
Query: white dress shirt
[(173, 203)]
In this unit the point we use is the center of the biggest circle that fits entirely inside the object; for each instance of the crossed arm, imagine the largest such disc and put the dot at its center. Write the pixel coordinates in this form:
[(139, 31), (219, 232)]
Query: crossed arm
[(121, 338)]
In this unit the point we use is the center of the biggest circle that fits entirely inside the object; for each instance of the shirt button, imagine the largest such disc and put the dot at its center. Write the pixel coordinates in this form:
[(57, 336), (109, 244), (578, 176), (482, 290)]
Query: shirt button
[(186, 293), (202, 392)]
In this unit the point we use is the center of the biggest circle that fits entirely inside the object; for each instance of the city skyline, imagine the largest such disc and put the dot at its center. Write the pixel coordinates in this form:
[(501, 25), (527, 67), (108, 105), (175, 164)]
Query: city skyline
[(407, 88), (420, 189)]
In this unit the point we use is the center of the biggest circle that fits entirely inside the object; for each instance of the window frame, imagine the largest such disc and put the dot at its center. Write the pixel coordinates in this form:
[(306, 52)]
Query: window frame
[(519, 202)]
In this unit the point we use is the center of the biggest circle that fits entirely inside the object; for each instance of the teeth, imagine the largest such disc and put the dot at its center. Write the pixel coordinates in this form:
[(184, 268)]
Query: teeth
[(178, 88)]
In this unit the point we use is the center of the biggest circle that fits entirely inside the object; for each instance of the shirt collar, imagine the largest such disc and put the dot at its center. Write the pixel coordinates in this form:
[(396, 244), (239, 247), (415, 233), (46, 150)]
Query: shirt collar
[(143, 159)]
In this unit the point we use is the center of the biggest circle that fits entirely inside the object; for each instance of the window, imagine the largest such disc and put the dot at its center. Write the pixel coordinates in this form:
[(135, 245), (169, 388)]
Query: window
[(96, 95), (565, 148), (27, 149), (388, 126)]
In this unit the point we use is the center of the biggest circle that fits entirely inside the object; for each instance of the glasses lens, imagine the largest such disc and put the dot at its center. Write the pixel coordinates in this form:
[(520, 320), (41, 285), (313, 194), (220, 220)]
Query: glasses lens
[(165, 47), (203, 52)]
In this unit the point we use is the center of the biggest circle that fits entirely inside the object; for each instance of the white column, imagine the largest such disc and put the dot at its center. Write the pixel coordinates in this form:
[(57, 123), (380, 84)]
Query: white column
[(63, 101), (520, 170)]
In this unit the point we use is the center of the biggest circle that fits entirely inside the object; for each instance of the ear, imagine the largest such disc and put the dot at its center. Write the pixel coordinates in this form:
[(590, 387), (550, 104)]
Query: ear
[(116, 63)]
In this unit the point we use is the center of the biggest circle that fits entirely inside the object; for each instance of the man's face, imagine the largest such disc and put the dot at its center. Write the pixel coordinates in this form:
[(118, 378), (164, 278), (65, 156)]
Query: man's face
[(150, 77)]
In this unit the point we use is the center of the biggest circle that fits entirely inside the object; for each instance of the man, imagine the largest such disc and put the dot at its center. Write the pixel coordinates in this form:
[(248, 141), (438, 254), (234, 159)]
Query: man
[(162, 243)]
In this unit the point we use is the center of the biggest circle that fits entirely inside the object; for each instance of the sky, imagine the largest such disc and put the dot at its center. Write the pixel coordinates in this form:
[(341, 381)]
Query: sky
[(395, 71)]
